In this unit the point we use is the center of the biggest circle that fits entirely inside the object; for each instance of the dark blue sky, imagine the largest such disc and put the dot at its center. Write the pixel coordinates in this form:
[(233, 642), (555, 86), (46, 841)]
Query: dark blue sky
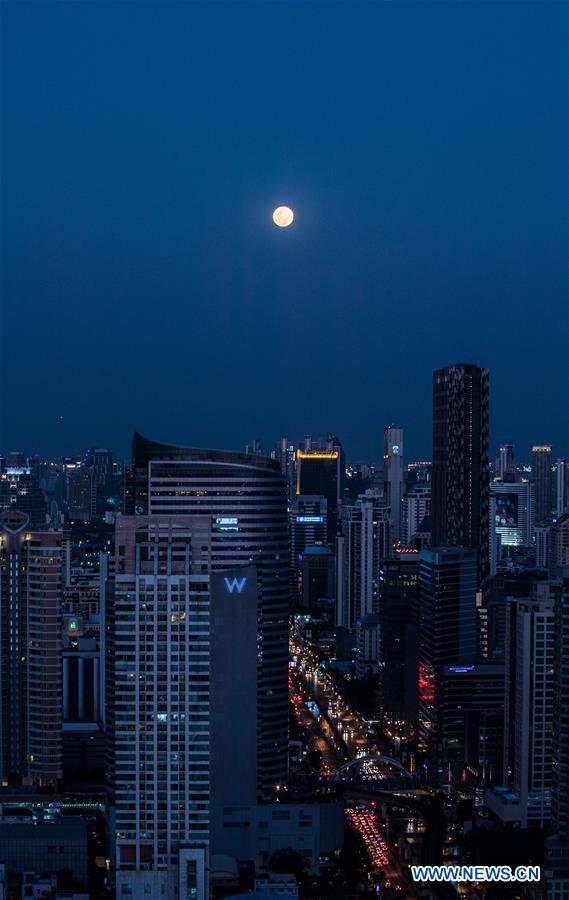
[(423, 147)]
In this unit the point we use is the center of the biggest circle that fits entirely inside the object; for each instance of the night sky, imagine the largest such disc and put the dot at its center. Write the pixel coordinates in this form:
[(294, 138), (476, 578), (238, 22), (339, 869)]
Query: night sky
[(423, 148)]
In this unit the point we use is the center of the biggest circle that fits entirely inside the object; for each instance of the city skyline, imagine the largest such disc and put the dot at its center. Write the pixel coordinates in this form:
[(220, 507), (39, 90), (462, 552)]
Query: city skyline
[(284, 445)]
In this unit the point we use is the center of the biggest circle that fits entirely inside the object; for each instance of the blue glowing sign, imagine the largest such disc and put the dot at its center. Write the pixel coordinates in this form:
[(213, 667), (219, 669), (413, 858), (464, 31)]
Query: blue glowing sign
[(460, 668), (235, 584), (227, 523), (310, 520)]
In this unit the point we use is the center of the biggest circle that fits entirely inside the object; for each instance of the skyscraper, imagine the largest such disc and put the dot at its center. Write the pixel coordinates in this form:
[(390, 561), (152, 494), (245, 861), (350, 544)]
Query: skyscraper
[(560, 487), (100, 464), (460, 502), (308, 528), (158, 694), (506, 461), (399, 620), (30, 652), (321, 473), (558, 546), (244, 497), (528, 718), (362, 546), (394, 476), (416, 505), (19, 489), (541, 476), (447, 633), (557, 848), (513, 512)]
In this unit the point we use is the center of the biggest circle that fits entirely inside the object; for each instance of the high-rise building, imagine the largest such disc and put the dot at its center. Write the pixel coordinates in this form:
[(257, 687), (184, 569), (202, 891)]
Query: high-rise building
[(363, 545), (541, 546), (83, 699), (245, 498), (528, 717), (460, 480), (506, 461), (394, 476), (399, 622), (560, 487), (447, 634), (321, 473), (78, 478), (317, 580), (30, 652), (158, 693), (19, 489), (541, 477), (472, 717), (101, 466), (416, 505), (558, 546), (368, 645), (557, 848), (308, 516), (286, 458), (513, 512)]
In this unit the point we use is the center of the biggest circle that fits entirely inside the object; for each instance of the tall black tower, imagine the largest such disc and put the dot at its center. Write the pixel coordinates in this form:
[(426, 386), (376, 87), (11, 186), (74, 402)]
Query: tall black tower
[(460, 499)]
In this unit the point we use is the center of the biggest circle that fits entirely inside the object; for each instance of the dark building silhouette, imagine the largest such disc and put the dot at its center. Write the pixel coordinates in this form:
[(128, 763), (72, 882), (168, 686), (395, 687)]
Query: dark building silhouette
[(321, 473), (460, 475), (30, 652), (19, 489), (557, 850), (448, 635), (399, 627), (543, 483), (308, 528)]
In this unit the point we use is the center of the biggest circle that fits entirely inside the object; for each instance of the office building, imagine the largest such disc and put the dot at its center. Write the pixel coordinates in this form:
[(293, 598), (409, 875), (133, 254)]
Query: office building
[(78, 480), (19, 489), (399, 622), (83, 699), (50, 847), (308, 528), (513, 512), (362, 546), (368, 646), (560, 488), (541, 546), (101, 465), (286, 458), (506, 461), (158, 695), (30, 657), (394, 476), (558, 546), (472, 716), (557, 847), (416, 505), (244, 497), (317, 577), (528, 717), (460, 479), (321, 473), (447, 634), (541, 477)]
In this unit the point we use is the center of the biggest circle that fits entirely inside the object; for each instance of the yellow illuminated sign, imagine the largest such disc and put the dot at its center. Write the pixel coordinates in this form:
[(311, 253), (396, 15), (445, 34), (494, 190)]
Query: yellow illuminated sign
[(317, 454)]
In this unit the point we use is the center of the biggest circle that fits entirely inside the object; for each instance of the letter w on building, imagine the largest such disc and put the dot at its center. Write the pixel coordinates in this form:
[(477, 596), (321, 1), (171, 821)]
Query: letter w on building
[(235, 584)]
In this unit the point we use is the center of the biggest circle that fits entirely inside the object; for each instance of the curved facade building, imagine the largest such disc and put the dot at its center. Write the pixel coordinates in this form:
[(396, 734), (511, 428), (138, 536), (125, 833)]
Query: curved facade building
[(246, 498)]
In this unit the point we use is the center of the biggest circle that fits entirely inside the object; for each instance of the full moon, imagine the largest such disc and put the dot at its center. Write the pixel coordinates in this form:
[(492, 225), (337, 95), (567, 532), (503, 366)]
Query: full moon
[(283, 216)]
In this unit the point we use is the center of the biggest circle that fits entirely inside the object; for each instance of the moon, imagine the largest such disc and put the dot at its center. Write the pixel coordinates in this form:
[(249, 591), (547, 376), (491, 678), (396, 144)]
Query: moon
[(283, 216)]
